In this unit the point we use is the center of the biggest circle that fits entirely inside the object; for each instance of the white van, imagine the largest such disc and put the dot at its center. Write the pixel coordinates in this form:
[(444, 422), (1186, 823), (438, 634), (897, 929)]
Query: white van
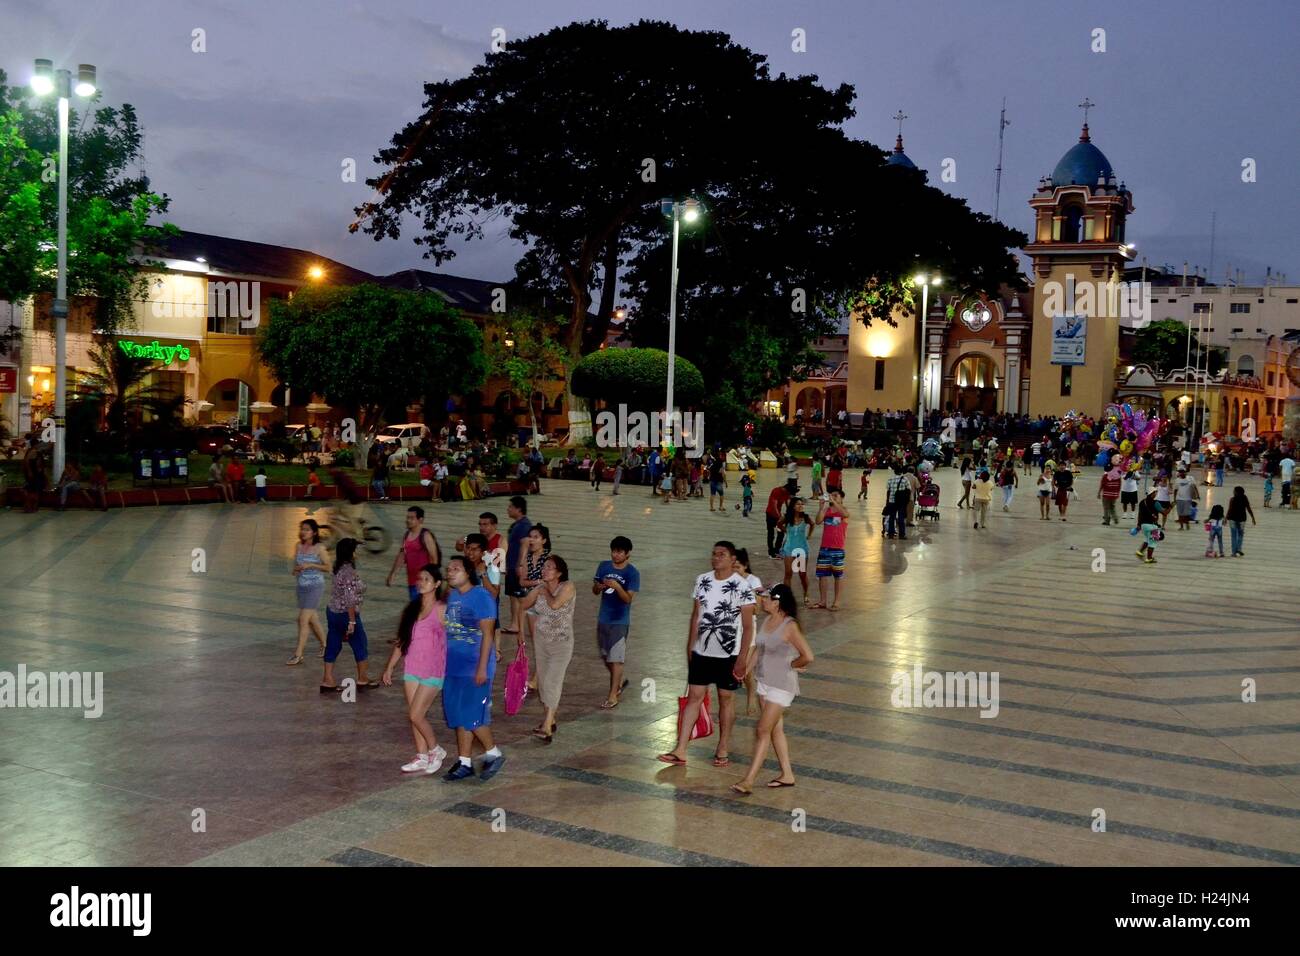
[(405, 436)]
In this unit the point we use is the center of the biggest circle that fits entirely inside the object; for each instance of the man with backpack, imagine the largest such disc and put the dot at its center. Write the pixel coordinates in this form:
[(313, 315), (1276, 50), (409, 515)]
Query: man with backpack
[(898, 498)]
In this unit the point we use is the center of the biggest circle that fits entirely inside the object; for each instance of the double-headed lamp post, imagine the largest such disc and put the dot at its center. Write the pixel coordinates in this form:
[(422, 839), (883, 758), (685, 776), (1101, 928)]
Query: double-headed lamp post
[(922, 361), (46, 80), (687, 211)]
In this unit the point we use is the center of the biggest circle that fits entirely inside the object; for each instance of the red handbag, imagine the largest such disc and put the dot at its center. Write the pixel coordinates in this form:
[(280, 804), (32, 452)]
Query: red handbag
[(703, 723), (516, 682)]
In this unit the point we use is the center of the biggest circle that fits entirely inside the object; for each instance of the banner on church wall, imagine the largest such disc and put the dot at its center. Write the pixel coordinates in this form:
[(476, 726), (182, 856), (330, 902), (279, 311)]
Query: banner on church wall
[(1069, 339)]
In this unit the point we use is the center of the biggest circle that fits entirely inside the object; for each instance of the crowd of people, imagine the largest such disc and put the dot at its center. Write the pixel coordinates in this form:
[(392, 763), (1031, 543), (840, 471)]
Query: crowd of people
[(497, 585)]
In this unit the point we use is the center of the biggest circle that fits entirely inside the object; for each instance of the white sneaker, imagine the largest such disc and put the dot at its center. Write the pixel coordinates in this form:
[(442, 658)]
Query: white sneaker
[(434, 760), (420, 763)]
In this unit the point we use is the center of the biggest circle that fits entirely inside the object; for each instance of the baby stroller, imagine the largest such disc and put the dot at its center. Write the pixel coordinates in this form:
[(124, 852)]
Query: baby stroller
[(927, 502)]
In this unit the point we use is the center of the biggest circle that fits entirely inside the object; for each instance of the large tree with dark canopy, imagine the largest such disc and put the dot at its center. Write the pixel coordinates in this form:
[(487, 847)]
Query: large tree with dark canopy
[(574, 135)]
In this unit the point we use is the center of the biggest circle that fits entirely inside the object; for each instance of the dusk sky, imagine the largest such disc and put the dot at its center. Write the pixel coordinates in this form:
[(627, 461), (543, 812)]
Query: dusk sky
[(248, 138)]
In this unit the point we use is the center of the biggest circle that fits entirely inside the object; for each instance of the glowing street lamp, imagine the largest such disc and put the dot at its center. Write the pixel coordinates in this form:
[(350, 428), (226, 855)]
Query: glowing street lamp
[(924, 281), (46, 80), (689, 211)]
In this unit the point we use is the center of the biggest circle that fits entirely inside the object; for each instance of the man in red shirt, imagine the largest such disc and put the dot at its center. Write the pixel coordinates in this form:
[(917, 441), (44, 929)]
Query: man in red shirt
[(776, 502), (1109, 493)]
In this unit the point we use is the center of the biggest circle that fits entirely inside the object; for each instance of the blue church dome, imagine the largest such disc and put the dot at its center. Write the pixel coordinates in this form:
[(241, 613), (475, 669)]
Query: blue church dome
[(898, 157), (1082, 165)]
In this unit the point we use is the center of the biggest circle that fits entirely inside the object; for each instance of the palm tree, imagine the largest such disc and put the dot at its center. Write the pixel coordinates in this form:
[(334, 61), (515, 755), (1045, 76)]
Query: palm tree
[(118, 381)]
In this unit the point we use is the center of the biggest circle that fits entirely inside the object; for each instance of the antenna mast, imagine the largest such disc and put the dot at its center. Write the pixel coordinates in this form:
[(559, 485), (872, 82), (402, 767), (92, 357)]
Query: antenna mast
[(997, 185), (1210, 270)]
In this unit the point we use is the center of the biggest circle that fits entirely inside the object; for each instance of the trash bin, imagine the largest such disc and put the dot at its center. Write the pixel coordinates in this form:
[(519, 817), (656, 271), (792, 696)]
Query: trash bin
[(143, 466), (162, 464), (181, 465)]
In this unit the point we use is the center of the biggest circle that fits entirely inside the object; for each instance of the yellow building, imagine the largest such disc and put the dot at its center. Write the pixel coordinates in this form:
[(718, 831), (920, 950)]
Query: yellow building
[(1045, 349)]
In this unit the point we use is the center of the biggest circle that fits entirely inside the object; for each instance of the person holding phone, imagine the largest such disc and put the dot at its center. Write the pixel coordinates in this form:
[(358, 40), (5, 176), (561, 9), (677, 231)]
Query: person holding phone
[(617, 581)]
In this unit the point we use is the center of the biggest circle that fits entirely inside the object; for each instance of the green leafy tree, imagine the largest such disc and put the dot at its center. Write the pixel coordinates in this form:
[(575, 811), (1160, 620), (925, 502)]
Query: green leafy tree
[(573, 136), (1163, 346), (371, 348), (637, 378), (528, 356), (111, 207)]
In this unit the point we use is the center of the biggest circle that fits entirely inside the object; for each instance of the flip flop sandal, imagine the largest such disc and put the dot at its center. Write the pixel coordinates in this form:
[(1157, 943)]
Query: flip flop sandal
[(673, 759), (778, 783), (608, 705), (296, 659), (721, 761), (741, 789), (623, 687)]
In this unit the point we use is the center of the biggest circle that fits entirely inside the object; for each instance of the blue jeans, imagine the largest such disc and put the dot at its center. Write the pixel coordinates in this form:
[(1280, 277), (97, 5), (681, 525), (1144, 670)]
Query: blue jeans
[(380, 488), (1215, 535), (749, 505), (1237, 530), (336, 634)]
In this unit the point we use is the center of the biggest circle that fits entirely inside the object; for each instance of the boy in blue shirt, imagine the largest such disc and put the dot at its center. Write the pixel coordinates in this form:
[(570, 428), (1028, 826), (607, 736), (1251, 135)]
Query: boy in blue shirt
[(471, 665), (616, 581)]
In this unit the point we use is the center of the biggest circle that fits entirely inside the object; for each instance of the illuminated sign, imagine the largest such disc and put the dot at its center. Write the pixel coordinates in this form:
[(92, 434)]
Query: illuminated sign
[(163, 353)]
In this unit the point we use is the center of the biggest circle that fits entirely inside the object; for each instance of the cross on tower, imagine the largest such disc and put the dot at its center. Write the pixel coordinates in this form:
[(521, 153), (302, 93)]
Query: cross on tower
[(1086, 105), (900, 116)]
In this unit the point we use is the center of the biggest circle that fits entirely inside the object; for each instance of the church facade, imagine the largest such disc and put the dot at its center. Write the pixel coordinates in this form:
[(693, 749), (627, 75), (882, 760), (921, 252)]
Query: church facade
[(1046, 349)]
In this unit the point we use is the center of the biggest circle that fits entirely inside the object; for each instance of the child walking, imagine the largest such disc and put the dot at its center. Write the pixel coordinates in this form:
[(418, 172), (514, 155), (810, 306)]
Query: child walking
[(422, 640), (747, 495), (1268, 491), (1214, 525), (866, 481), (260, 481)]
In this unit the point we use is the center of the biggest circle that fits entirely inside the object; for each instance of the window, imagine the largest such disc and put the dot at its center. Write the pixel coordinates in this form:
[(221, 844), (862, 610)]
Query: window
[(1292, 301), (1067, 379), (1239, 308), (1236, 330), (1070, 226), (1173, 300), (1246, 365), (1268, 403), (1271, 376), (880, 374), (1198, 308)]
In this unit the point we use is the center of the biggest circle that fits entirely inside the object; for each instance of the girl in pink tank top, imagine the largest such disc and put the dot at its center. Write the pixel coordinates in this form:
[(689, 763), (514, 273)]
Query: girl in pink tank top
[(422, 640)]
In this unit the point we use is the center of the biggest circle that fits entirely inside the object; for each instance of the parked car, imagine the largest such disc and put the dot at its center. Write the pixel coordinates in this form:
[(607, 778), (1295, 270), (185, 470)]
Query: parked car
[(211, 439), (406, 436)]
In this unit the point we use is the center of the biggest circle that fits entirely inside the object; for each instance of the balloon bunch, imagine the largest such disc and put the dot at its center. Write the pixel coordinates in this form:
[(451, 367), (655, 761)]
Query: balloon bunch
[(1126, 433)]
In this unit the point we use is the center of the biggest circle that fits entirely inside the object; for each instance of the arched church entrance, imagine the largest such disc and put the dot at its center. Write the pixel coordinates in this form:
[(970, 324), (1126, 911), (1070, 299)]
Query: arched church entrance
[(975, 384)]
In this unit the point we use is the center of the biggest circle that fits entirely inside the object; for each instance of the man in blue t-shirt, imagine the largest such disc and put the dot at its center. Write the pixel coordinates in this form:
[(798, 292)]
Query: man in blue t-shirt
[(471, 665), (616, 581)]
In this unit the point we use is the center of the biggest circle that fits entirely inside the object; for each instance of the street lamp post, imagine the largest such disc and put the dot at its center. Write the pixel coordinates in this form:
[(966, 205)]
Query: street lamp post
[(922, 361), (687, 211), (46, 80)]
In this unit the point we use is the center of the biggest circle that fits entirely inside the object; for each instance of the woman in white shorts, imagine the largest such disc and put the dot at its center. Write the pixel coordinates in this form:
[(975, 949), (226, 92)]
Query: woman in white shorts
[(782, 652)]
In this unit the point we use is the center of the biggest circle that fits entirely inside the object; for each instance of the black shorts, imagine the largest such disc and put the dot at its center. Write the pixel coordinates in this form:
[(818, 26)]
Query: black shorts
[(1128, 497), (512, 585), (704, 671)]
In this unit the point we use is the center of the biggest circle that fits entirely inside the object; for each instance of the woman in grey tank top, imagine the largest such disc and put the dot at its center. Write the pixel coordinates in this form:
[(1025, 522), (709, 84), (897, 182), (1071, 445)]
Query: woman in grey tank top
[(783, 651)]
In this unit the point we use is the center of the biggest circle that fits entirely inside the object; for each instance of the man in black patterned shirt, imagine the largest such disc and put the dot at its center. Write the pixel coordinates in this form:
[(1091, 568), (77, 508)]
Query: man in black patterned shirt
[(717, 647)]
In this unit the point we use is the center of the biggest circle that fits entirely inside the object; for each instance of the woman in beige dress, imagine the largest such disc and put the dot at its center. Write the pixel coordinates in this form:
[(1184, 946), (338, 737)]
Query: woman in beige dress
[(554, 602)]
